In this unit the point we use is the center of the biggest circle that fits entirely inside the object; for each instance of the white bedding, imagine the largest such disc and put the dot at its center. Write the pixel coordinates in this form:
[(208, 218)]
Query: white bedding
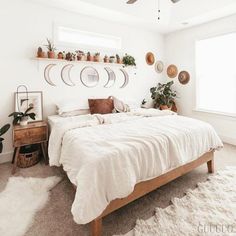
[(106, 155)]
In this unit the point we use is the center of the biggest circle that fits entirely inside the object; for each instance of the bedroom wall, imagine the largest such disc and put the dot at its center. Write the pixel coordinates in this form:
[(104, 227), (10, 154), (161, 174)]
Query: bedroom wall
[(180, 50), (25, 26)]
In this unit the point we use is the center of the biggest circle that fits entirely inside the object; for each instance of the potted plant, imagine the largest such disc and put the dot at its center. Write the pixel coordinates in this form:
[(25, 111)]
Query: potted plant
[(70, 56), (163, 96), (112, 59), (129, 60), (60, 55), (89, 56), (80, 55), (22, 117), (40, 53), (118, 60), (3, 130), (106, 59), (51, 49), (97, 57)]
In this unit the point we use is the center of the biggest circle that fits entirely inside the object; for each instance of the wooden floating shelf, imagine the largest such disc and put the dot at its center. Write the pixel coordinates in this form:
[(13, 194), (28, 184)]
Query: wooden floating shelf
[(80, 62)]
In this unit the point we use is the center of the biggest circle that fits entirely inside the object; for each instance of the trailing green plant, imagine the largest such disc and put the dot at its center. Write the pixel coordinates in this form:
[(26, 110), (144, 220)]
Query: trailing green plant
[(50, 46), (18, 116), (129, 60), (3, 130), (163, 94)]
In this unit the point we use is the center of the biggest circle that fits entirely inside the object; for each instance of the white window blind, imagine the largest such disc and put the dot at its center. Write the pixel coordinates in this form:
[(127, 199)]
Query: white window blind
[(216, 74), (75, 37)]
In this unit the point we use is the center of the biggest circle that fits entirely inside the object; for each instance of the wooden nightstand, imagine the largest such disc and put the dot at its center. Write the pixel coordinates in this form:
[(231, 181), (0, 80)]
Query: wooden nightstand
[(33, 133)]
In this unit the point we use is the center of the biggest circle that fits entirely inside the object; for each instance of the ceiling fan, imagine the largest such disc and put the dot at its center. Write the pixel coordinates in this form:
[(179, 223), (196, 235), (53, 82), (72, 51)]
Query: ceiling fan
[(133, 1), (159, 10)]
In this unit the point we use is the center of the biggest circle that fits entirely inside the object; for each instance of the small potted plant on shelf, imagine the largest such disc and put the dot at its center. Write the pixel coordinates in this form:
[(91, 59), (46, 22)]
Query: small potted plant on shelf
[(89, 56), (70, 56), (129, 60), (80, 55), (97, 57), (118, 59), (60, 55), (163, 96), (51, 49), (3, 130), (40, 53), (112, 59), (22, 117), (106, 59)]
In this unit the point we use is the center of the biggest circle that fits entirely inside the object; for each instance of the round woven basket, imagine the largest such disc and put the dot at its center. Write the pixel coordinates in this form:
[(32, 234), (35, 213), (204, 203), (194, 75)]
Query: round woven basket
[(28, 156)]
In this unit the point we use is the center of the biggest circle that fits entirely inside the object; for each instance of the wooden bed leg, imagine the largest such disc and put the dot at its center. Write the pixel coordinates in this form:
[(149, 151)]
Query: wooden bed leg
[(210, 166), (97, 227)]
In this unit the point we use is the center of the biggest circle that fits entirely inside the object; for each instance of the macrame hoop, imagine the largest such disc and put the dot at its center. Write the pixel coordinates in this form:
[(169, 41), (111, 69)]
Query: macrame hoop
[(17, 95)]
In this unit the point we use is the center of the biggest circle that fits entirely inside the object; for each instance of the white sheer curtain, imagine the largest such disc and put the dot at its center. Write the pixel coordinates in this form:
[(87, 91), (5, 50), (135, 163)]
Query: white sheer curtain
[(216, 74)]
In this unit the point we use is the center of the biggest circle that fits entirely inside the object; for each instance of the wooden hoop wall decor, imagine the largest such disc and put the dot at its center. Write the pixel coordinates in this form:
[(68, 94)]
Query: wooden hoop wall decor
[(89, 77), (65, 72), (111, 77), (47, 74), (126, 77)]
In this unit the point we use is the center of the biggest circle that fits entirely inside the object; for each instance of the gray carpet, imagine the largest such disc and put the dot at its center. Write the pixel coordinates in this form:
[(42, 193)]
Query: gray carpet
[(56, 218)]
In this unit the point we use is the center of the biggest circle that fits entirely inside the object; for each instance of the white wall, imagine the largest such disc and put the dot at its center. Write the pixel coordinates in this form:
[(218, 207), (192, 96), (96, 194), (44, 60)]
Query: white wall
[(25, 26), (180, 50)]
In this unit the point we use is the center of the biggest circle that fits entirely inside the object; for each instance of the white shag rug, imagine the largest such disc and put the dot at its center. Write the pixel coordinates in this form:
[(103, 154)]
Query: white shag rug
[(210, 209), (20, 201)]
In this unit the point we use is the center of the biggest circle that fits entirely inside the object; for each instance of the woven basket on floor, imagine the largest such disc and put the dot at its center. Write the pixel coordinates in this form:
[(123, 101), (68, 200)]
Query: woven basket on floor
[(28, 156)]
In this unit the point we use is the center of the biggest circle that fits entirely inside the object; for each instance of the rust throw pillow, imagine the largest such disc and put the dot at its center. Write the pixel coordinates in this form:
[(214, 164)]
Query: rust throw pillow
[(101, 106)]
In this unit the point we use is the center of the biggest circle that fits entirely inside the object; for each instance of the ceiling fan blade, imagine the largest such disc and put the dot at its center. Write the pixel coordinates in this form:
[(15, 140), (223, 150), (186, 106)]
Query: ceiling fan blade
[(131, 1), (175, 1)]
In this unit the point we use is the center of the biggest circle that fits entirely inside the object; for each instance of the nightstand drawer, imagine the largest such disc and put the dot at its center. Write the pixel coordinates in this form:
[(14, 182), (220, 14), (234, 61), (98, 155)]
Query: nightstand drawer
[(29, 136)]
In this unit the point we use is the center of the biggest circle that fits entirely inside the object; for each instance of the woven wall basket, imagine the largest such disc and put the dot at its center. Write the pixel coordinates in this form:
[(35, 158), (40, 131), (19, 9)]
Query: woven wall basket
[(27, 159)]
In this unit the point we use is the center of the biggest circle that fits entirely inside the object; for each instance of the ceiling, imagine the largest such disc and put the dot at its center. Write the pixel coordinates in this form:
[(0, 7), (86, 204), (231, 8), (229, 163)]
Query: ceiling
[(143, 13)]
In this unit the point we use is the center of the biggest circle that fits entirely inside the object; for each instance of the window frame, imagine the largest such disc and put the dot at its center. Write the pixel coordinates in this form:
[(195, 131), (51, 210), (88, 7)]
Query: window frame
[(196, 91), (88, 47)]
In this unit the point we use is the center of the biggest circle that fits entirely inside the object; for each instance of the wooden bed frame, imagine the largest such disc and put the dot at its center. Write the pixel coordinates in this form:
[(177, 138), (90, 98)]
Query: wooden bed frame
[(148, 186)]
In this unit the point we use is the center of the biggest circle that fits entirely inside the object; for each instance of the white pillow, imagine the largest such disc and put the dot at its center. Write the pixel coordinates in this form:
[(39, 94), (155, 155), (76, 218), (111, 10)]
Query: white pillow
[(75, 113), (70, 106), (132, 103)]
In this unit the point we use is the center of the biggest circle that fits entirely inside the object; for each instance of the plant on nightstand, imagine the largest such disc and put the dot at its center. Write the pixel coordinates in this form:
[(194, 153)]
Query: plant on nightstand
[(3, 130), (163, 96), (22, 117)]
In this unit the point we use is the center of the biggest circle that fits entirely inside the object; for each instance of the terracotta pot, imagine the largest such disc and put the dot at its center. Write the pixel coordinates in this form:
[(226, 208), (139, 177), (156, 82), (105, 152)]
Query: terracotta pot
[(51, 54), (89, 58), (106, 60), (97, 58), (41, 54), (60, 56), (79, 57), (165, 107), (119, 61)]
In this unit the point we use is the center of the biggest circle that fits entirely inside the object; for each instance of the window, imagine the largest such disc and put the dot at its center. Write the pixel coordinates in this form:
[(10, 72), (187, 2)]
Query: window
[(216, 74), (75, 37)]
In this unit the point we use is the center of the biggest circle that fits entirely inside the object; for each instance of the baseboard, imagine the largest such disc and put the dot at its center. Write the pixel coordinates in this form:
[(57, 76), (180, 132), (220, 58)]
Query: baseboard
[(6, 157), (228, 140)]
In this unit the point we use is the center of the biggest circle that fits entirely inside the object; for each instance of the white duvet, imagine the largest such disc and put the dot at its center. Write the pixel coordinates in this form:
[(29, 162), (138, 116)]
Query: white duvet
[(106, 155)]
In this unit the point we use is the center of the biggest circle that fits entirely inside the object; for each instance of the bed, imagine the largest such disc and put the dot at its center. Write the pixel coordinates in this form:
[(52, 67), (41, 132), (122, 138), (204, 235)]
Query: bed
[(113, 159)]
